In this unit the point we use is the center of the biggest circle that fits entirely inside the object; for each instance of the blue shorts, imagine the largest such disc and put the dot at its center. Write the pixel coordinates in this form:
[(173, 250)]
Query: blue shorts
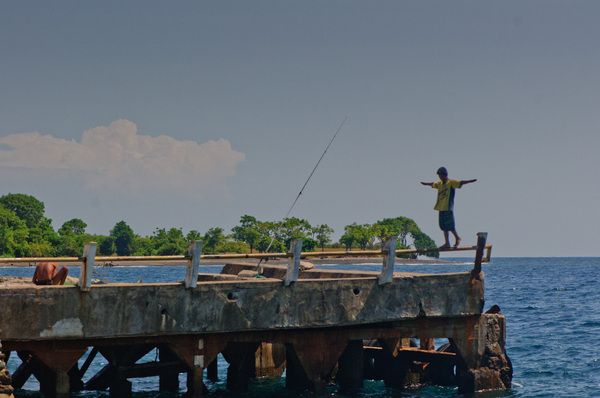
[(446, 220)]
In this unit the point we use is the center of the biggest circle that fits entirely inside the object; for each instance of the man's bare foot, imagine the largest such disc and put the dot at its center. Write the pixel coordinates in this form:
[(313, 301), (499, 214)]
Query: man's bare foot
[(445, 246), (457, 242)]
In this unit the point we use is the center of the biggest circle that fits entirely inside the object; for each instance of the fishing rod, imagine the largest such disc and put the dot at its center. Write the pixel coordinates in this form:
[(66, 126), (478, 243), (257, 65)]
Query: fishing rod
[(306, 183), (317, 165)]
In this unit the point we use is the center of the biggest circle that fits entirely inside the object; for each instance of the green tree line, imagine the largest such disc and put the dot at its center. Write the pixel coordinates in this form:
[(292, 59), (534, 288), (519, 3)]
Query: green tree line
[(26, 232)]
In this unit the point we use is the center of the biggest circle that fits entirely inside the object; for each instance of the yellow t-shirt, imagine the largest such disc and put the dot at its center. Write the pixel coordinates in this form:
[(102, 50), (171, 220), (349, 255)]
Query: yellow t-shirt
[(445, 197)]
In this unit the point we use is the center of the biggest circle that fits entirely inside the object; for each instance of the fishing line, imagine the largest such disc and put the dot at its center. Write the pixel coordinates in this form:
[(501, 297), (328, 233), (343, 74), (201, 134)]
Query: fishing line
[(317, 165), (306, 183)]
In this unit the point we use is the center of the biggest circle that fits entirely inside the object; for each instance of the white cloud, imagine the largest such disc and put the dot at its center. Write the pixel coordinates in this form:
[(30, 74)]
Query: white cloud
[(117, 158)]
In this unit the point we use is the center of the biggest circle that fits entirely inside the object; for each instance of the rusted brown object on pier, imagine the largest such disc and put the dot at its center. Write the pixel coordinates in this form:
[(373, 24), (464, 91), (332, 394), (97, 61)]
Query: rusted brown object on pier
[(317, 323)]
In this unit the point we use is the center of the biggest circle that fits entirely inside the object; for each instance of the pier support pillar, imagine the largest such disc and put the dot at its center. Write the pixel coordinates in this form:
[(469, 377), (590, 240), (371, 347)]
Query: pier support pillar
[(168, 381), (197, 353), (311, 356), (58, 360), (195, 383), (484, 364), (394, 369), (241, 358), (350, 373), (212, 371), (120, 388)]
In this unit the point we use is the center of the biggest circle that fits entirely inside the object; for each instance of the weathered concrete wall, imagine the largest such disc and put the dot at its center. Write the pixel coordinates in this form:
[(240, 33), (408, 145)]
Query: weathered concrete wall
[(126, 310)]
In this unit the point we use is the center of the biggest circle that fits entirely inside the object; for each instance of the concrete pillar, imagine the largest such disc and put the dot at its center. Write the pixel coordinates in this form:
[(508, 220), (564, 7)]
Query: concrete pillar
[(241, 358), (195, 383), (197, 352), (394, 370), (168, 381), (120, 388), (350, 373), (59, 358), (212, 371), (311, 356), (441, 373), (295, 376)]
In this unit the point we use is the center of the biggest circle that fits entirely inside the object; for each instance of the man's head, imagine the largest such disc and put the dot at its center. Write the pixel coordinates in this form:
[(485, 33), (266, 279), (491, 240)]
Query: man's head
[(442, 173)]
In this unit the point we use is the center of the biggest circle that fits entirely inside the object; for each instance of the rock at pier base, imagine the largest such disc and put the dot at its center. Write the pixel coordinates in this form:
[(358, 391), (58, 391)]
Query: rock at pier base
[(6, 390), (487, 365), (496, 368)]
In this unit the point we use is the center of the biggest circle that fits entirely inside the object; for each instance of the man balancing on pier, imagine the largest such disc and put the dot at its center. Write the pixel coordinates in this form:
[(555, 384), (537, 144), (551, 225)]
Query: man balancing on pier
[(45, 274), (445, 203)]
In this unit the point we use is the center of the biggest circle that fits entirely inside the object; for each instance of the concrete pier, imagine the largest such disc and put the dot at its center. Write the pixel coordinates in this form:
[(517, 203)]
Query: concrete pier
[(315, 327)]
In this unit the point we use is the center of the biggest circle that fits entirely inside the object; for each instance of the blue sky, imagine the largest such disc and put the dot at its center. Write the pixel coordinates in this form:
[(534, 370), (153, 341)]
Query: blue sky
[(191, 114)]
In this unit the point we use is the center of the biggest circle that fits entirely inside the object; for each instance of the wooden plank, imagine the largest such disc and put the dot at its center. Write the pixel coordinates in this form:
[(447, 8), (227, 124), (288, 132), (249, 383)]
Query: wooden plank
[(416, 354)]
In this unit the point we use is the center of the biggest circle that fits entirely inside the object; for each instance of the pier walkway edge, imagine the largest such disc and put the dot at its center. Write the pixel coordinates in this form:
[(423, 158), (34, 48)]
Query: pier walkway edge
[(321, 325)]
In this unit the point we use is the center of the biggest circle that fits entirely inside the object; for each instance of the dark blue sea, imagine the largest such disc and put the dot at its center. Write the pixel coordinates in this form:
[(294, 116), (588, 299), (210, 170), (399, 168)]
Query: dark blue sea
[(552, 307)]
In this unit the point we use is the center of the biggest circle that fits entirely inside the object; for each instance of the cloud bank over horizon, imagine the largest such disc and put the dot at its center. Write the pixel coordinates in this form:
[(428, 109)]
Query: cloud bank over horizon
[(117, 158)]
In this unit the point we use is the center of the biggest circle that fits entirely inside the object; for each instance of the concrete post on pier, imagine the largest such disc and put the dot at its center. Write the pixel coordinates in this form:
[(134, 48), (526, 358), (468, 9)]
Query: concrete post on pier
[(87, 268), (191, 274), (389, 255), (293, 267), (481, 238)]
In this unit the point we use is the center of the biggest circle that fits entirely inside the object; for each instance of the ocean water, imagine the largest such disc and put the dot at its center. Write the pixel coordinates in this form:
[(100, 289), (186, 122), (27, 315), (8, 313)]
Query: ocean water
[(552, 307)]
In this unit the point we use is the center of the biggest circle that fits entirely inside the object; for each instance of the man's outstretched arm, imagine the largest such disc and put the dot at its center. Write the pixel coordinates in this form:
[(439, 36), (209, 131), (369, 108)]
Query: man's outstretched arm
[(463, 182)]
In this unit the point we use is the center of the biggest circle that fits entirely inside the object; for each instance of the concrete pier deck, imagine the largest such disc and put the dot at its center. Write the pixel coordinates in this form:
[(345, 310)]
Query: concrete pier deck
[(230, 304), (321, 319)]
